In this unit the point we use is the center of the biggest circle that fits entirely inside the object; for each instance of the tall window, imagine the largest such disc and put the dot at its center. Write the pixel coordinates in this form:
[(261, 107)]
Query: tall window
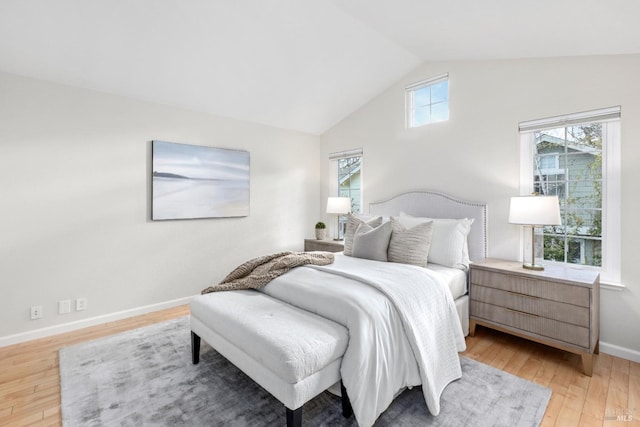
[(576, 157), (347, 180), (427, 101)]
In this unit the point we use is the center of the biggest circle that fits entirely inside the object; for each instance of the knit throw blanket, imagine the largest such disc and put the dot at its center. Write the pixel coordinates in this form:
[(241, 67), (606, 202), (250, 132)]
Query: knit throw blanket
[(257, 272)]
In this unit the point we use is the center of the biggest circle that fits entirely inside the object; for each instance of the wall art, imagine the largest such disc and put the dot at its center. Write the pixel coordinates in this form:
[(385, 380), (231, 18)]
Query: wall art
[(191, 181)]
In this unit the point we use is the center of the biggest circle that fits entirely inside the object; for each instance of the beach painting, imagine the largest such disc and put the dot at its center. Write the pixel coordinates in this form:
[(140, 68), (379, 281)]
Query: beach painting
[(191, 181)]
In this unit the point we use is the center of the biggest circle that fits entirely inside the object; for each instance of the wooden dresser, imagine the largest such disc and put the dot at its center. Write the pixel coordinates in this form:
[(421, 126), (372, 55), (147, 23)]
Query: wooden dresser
[(323, 245), (558, 306)]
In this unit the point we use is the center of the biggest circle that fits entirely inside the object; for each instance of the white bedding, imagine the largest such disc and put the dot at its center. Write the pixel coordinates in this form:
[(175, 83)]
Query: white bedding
[(455, 278), (403, 327)]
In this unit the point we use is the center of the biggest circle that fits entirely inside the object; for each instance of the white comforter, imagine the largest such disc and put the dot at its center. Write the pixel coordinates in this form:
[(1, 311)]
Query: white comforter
[(403, 327)]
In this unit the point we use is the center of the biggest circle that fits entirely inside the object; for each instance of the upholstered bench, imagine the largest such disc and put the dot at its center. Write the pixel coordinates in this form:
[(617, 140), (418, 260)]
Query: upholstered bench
[(293, 354)]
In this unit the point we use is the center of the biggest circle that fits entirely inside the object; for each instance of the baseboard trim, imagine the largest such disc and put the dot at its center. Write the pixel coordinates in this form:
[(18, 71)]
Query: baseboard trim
[(92, 321), (623, 352)]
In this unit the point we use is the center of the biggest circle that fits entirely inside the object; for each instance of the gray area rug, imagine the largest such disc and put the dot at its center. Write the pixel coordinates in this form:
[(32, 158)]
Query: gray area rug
[(145, 377)]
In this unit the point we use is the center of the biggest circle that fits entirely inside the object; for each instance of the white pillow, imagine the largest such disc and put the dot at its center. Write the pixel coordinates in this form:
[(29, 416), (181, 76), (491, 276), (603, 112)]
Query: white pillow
[(372, 243), (449, 240)]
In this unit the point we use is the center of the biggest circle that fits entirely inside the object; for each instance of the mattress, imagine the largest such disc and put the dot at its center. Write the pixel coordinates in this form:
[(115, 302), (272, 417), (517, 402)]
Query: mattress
[(456, 279)]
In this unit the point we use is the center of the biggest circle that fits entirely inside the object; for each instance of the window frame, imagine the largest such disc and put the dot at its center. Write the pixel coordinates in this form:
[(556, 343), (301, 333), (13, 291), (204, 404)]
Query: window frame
[(410, 107), (610, 271)]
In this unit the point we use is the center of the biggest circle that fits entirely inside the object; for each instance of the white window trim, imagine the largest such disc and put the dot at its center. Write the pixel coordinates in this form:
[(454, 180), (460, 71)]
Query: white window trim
[(610, 272), (408, 97), (600, 115), (347, 153)]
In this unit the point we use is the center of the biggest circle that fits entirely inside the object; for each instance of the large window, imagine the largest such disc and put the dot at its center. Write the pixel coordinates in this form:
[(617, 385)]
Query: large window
[(347, 180), (576, 157), (427, 101)]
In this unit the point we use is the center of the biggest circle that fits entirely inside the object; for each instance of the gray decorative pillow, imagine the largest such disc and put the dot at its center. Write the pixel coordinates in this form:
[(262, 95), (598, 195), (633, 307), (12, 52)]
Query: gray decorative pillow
[(353, 222), (410, 245), (372, 243)]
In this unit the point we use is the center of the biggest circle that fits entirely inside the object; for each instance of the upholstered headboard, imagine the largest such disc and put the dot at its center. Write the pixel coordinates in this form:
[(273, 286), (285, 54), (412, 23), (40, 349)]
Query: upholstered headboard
[(432, 204)]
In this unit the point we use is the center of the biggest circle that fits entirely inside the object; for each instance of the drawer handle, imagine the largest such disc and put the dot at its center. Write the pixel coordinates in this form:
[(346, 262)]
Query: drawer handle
[(523, 295), (521, 312)]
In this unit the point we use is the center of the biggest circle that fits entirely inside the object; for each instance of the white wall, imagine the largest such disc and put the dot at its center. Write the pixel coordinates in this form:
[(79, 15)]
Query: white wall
[(475, 155), (75, 202)]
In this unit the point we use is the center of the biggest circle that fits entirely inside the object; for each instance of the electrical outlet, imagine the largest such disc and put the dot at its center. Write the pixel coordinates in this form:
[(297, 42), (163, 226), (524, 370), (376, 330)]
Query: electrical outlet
[(64, 306), (81, 304), (36, 312)]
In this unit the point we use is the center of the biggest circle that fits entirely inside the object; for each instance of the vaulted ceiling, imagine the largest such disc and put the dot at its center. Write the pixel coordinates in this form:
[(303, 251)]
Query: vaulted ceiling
[(295, 64)]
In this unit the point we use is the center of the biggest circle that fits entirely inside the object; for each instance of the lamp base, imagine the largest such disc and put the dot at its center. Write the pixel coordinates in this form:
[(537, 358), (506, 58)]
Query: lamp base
[(536, 267)]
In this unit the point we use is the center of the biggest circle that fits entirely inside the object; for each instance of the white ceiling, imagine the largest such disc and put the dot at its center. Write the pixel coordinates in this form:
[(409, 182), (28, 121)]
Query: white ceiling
[(295, 64)]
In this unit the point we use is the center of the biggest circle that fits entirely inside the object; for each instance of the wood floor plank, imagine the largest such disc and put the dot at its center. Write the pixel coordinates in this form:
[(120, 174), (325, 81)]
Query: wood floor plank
[(589, 421), (517, 360), (618, 393), (555, 375), (595, 401), (503, 355), (22, 419), (530, 368), (634, 394), (577, 391), (5, 412), (574, 397)]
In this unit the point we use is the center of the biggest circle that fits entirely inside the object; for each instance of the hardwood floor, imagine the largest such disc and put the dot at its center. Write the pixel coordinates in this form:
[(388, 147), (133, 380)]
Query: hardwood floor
[(30, 381)]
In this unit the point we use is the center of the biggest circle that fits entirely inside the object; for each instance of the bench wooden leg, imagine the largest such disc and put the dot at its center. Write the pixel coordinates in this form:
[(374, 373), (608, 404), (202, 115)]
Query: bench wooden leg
[(195, 348), (294, 417), (347, 410)]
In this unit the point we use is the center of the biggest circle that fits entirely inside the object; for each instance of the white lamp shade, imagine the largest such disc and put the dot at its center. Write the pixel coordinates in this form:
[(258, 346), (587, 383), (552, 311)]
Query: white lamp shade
[(338, 205), (535, 210)]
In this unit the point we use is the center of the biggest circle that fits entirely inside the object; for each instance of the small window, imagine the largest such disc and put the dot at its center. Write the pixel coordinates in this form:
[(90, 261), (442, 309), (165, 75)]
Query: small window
[(427, 101)]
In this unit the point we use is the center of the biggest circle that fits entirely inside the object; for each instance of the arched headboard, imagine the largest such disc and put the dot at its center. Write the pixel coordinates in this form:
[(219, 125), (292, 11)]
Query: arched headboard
[(432, 204)]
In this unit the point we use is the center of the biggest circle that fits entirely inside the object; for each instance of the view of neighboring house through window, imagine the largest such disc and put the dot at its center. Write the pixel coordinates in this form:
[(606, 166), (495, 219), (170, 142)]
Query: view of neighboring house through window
[(566, 157), (427, 101), (348, 181), (568, 163)]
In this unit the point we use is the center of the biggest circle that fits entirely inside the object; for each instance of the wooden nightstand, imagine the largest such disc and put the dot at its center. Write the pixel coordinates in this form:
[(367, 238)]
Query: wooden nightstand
[(323, 245), (558, 306)]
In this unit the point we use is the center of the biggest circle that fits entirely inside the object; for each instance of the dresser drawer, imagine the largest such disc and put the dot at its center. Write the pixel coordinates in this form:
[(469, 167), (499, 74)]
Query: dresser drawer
[(555, 310), (543, 326), (540, 288)]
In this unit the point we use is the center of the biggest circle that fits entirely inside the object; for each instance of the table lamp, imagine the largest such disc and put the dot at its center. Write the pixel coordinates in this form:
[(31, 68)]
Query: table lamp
[(338, 206), (534, 212)]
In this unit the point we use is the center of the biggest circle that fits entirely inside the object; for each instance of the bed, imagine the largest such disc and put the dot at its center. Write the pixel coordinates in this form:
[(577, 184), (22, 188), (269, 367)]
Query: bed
[(406, 323), (432, 204)]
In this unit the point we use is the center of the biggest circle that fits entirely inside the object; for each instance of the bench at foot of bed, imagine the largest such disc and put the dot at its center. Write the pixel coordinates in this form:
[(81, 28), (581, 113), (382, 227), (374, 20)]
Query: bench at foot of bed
[(292, 353)]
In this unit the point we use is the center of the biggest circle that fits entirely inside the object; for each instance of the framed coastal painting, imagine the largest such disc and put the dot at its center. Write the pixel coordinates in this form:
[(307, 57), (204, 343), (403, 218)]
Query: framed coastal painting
[(191, 181)]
